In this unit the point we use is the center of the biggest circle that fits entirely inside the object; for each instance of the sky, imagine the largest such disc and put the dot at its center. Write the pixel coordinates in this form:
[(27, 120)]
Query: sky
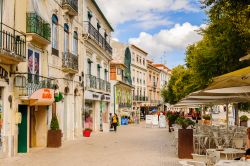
[(163, 28)]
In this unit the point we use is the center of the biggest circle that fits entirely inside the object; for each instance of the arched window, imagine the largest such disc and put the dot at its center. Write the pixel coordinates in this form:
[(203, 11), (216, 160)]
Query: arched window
[(54, 31), (75, 43), (66, 37)]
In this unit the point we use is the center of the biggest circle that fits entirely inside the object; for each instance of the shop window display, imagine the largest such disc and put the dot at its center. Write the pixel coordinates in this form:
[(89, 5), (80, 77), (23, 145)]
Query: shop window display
[(88, 115)]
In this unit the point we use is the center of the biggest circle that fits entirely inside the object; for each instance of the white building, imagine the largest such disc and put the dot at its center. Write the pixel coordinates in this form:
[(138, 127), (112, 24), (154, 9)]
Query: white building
[(139, 77), (97, 34)]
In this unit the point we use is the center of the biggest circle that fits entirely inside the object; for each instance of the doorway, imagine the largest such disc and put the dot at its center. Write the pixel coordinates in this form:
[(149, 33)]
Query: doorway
[(22, 130), (38, 126)]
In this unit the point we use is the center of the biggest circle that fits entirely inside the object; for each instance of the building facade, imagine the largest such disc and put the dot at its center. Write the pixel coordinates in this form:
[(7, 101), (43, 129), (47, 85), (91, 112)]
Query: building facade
[(139, 77), (49, 47), (120, 76), (153, 90), (97, 35)]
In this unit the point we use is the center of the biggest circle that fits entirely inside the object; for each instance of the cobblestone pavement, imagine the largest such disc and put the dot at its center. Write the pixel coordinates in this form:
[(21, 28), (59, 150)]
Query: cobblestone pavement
[(132, 145)]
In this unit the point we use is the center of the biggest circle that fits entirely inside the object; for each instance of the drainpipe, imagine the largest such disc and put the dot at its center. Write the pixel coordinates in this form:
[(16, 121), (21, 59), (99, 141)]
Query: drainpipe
[(114, 97), (1, 15)]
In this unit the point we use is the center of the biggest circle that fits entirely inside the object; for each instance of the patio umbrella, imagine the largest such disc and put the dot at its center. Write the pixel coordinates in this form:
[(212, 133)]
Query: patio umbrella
[(203, 98), (234, 82)]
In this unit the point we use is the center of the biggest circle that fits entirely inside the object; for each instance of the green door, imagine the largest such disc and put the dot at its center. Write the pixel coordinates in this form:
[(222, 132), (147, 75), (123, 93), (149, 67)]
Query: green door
[(22, 130)]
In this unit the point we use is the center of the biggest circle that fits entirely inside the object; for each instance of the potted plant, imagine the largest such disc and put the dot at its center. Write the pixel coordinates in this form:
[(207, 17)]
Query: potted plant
[(243, 120), (185, 138), (54, 138), (171, 120), (87, 132), (207, 119)]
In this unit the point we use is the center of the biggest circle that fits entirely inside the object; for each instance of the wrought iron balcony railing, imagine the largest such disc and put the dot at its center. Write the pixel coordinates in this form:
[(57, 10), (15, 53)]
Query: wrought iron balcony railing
[(70, 61), (35, 24), (12, 44), (93, 82), (140, 98), (73, 4), (29, 83), (122, 105), (99, 38)]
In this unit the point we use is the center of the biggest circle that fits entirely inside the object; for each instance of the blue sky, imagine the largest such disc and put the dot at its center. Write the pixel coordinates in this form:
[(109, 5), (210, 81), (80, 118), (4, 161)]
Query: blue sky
[(163, 28)]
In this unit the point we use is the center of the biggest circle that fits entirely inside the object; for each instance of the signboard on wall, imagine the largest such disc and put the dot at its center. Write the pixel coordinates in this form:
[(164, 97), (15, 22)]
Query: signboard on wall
[(96, 96)]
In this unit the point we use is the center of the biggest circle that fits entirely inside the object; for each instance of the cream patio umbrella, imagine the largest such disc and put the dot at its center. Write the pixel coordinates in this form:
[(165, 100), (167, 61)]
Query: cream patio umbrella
[(234, 82), (203, 98)]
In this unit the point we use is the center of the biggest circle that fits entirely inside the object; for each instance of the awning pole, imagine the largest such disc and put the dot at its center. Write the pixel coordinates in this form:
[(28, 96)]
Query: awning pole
[(227, 115)]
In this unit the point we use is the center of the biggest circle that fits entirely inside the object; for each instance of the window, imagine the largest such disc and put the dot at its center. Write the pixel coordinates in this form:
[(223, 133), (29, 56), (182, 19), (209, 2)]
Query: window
[(54, 31), (143, 61), (66, 37), (137, 59), (106, 75), (140, 60), (98, 71), (119, 71), (89, 66), (133, 79), (75, 43), (33, 66)]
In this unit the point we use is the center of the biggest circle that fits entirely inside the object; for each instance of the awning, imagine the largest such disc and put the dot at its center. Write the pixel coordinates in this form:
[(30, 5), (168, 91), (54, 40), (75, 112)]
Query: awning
[(41, 97)]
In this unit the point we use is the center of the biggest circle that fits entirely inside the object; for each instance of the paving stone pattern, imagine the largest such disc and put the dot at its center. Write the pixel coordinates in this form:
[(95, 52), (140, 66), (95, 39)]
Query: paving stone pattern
[(132, 145)]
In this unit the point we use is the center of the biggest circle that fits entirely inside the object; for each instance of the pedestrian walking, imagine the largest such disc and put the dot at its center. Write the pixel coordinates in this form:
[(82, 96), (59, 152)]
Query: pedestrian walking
[(115, 121)]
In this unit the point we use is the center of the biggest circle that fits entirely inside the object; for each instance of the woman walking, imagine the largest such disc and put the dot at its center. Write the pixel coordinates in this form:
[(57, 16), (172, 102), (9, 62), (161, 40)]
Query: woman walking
[(115, 122)]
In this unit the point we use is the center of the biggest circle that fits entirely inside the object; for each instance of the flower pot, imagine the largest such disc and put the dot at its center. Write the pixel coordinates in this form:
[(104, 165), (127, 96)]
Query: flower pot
[(54, 139), (243, 123), (185, 143), (86, 133)]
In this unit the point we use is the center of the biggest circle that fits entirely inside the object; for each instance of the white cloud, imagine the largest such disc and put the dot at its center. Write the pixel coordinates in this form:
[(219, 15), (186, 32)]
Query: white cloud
[(146, 13), (168, 40)]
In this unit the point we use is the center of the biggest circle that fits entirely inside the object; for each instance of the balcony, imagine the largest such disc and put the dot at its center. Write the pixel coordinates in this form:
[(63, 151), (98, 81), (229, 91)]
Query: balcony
[(71, 7), (140, 98), (101, 41), (125, 105), (38, 30), (92, 82), (12, 45), (27, 83), (70, 63)]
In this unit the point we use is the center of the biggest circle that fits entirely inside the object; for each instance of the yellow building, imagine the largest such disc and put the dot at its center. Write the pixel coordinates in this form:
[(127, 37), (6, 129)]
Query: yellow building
[(121, 81)]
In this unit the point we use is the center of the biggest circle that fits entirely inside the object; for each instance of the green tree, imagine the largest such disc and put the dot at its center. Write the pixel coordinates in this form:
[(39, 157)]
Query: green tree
[(225, 39)]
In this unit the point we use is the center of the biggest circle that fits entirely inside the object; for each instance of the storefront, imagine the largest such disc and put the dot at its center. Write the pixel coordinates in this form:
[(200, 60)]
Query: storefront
[(96, 113), (33, 126)]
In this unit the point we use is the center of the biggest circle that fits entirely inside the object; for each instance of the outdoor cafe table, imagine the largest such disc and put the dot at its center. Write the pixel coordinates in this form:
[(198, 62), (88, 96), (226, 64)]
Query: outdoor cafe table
[(229, 151), (233, 163)]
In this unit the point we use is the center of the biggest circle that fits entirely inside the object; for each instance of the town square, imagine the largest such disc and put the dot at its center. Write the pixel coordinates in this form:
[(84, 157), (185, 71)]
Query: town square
[(117, 83)]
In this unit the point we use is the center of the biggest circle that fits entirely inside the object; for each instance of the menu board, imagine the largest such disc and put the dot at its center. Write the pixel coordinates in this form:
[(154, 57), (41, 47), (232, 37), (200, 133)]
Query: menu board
[(155, 121)]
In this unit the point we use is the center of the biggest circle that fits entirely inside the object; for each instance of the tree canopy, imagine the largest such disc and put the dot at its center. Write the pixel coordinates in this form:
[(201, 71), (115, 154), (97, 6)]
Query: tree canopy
[(225, 39)]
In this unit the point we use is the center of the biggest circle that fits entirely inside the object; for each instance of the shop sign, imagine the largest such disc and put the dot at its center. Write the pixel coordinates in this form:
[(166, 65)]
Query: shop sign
[(43, 96)]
